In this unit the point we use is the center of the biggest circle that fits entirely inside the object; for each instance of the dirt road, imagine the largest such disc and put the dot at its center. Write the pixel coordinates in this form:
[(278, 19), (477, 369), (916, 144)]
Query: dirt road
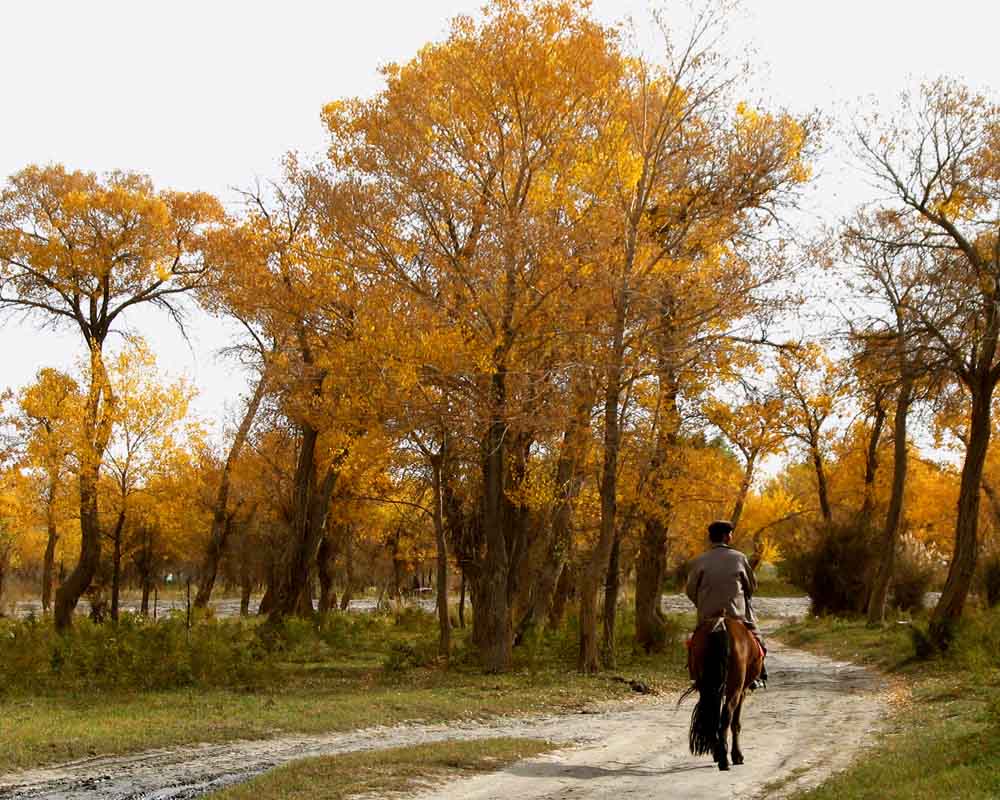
[(811, 721)]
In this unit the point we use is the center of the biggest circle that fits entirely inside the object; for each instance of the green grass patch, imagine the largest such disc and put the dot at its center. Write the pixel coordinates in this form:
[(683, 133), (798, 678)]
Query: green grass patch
[(347, 671), (943, 737), (379, 773)]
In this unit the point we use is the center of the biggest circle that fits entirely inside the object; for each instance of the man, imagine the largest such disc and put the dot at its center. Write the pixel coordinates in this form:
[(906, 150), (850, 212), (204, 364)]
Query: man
[(721, 583)]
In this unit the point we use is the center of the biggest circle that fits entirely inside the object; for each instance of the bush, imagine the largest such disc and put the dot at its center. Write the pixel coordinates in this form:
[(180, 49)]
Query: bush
[(913, 574), (135, 654), (989, 579), (834, 568), (403, 656)]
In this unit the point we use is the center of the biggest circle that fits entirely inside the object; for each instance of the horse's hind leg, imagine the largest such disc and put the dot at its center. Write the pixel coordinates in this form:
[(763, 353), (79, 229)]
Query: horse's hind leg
[(722, 748), (736, 726)]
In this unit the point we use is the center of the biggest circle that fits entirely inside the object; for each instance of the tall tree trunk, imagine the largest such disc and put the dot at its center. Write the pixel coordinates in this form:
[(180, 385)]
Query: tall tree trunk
[(568, 481), (116, 563), (48, 563), (220, 518), (98, 421), (611, 588), (147, 588), (4, 565), (597, 565), (651, 563), (890, 533), (345, 598), (461, 602), (963, 561), (871, 457), (310, 508), (492, 620), (325, 559), (565, 587), (444, 622)]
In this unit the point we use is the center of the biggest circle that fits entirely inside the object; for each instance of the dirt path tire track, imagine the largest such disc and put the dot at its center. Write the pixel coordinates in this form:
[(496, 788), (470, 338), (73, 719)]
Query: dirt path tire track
[(810, 723)]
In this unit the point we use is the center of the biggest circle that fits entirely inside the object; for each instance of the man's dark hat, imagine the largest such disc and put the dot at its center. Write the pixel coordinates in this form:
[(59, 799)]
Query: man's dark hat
[(721, 526)]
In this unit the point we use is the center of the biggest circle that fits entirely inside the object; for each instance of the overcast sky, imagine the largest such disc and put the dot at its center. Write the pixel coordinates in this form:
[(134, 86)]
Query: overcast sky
[(208, 95)]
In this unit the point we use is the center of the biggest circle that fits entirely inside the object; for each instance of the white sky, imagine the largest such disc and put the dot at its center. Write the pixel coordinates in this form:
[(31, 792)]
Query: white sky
[(208, 95)]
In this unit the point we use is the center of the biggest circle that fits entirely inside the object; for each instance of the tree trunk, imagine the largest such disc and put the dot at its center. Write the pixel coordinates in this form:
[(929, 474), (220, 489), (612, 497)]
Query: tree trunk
[(444, 622), (745, 483), (345, 599), (147, 588), (568, 481), (311, 500), (4, 563), (116, 563), (822, 487), (963, 561), (890, 533), (98, 421), (325, 559), (597, 566), (461, 602), (492, 622), (611, 589), (220, 519), (565, 587), (651, 563), (871, 457), (48, 564), (246, 589)]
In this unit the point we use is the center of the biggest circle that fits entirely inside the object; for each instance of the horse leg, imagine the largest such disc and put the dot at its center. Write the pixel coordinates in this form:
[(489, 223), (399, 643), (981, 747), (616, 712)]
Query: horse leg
[(737, 726), (722, 749)]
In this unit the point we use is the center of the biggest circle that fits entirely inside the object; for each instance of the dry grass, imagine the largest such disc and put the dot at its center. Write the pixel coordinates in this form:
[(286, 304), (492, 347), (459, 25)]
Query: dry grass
[(382, 772)]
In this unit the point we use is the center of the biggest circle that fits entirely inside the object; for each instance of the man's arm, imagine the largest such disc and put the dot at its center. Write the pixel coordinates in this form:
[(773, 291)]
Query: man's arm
[(748, 578), (694, 578)]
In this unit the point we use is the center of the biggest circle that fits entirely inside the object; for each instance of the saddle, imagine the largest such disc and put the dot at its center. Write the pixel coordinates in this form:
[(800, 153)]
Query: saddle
[(696, 641)]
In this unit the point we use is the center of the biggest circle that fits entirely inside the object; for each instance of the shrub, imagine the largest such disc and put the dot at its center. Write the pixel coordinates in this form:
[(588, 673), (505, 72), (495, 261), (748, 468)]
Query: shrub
[(134, 654), (989, 578), (403, 656), (834, 566), (913, 573)]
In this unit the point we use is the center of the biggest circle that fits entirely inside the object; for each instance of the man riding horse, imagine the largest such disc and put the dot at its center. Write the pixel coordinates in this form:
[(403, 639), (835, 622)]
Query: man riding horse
[(721, 583)]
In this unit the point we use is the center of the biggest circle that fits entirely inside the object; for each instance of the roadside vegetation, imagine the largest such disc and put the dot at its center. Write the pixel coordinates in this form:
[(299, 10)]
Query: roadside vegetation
[(943, 736), (110, 689), (378, 773)]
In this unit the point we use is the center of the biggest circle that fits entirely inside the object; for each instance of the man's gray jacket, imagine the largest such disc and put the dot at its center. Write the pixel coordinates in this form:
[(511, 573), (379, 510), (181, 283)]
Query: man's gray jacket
[(719, 582)]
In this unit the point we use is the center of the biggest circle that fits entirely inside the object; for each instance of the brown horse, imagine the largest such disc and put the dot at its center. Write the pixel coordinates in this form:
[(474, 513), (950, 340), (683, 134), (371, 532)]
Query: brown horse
[(723, 660)]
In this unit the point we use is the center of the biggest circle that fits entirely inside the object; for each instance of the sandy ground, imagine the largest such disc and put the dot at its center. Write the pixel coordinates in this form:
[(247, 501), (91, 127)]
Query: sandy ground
[(812, 720)]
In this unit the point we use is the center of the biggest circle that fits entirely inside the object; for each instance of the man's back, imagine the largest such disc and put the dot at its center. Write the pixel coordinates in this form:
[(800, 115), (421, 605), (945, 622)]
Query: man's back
[(719, 581)]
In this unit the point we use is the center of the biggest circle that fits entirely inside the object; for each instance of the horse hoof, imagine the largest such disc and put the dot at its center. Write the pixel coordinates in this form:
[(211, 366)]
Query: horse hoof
[(737, 761), (724, 767)]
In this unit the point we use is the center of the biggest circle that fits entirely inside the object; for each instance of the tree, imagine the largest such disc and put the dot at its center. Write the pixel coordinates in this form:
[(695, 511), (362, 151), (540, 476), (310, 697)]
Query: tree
[(894, 356), (465, 166), (47, 422), (940, 160), (149, 423), (81, 250), (812, 385)]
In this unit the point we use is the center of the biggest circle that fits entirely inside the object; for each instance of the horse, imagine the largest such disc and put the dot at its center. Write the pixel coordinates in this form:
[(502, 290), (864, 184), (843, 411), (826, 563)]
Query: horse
[(724, 658)]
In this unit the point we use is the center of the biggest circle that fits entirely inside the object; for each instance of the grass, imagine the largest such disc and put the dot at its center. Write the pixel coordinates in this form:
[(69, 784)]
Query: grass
[(380, 671), (382, 772), (942, 739)]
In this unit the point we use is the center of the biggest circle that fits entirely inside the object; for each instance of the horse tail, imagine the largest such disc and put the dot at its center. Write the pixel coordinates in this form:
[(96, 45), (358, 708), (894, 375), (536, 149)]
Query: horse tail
[(706, 717)]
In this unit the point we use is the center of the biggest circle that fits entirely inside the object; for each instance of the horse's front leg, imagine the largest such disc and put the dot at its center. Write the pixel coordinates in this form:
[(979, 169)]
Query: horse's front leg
[(722, 749), (737, 726)]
